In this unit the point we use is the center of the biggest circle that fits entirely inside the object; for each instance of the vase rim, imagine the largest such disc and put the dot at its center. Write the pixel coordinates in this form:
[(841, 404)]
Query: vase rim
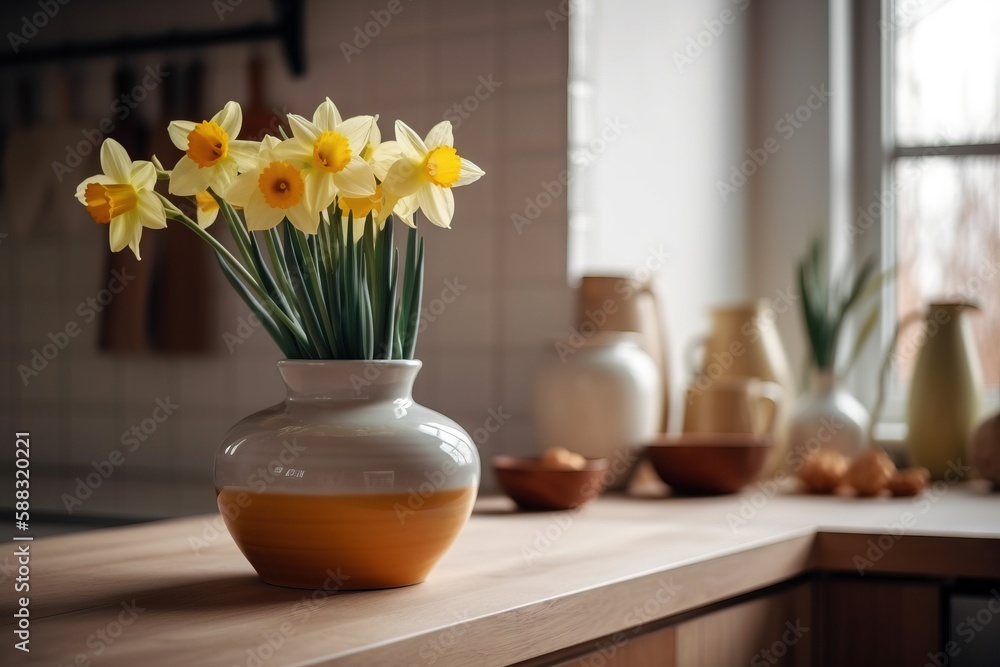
[(954, 304), (413, 363), (739, 306), (602, 338)]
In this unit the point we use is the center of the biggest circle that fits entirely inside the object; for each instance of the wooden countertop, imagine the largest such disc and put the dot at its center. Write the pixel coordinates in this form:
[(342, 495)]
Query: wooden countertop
[(513, 587)]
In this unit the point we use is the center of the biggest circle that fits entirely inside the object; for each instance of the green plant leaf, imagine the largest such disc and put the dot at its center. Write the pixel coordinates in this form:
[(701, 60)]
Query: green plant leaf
[(868, 326)]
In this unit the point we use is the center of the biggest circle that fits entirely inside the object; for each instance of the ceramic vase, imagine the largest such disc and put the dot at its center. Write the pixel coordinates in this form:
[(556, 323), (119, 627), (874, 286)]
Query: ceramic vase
[(624, 303), (944, 400), (944, 403), (600, 397), (346, 484), (826, 417)]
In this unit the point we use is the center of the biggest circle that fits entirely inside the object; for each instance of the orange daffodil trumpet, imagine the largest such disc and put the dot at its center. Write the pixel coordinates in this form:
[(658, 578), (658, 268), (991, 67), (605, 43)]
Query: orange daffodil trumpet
[(425, 171), (212, 153), (123, 197)]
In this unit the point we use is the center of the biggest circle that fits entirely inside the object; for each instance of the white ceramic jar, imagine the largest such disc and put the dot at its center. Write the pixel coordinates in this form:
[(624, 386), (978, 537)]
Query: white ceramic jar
[(600, 397), (826, 417)]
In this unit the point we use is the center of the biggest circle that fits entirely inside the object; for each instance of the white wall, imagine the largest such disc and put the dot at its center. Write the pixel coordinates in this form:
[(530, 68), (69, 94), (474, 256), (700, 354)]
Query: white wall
[(674, 74), (790, 195)]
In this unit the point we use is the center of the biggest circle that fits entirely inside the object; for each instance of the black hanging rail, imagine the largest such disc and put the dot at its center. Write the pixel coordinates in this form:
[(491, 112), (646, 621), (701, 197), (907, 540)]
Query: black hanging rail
[(287, 28)]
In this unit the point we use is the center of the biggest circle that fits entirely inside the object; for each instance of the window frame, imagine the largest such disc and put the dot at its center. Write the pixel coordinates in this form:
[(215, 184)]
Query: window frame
[(876, 153)]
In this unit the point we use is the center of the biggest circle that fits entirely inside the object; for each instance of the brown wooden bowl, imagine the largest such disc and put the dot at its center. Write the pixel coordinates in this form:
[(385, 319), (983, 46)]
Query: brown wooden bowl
[(708, 463), (535, 485)]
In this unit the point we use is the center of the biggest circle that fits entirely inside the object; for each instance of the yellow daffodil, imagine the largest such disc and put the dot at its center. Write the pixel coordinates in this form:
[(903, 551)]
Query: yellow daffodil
[(212, 153), (426, 170), (273, 189), (329, 152), (208, 208), (123, 197)]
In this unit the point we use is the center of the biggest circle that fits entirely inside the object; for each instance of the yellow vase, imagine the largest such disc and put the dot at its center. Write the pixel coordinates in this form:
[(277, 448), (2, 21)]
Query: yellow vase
[(944, 402)]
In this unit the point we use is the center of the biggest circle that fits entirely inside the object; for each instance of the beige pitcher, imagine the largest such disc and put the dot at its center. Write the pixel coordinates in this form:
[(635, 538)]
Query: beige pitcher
[(944, 401), (623, 303), (744, 343)]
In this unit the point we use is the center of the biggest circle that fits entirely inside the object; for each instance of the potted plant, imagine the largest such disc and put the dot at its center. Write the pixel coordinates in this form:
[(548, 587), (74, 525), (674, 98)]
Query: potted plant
[(348, 483), (827, 413)]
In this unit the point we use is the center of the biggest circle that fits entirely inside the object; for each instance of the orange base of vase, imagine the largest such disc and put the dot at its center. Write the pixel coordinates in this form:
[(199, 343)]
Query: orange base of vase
[(347, 542)]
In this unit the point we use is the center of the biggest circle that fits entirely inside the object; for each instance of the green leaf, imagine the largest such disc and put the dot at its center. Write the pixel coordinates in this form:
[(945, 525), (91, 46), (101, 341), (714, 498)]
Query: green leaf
[(864, 333), (299, 278), (410, 340), (282, 337)]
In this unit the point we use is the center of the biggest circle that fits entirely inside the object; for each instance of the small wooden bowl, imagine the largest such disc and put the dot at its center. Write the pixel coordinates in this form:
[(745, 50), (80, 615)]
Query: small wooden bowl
[(708, 463), (535, 485)]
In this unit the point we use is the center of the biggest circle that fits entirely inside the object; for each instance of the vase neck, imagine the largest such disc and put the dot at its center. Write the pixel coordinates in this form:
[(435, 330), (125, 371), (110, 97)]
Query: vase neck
[(348, 381), (822, 381)]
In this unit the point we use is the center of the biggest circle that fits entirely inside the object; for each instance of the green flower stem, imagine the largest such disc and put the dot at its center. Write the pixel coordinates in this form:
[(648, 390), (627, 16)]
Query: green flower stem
[(239, 234), (317, 289), (174, 213)]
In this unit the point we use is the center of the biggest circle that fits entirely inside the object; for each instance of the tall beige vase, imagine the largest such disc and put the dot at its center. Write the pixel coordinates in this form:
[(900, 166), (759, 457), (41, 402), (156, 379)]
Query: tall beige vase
[(622, 303), (944, 402), (744, 343)]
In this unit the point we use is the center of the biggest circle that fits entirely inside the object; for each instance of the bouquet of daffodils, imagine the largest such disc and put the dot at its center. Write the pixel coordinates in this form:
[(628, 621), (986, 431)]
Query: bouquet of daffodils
[(323, 276)]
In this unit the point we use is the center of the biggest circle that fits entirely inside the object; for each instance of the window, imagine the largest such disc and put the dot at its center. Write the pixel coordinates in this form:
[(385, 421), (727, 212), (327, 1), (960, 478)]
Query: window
[(941, 124)]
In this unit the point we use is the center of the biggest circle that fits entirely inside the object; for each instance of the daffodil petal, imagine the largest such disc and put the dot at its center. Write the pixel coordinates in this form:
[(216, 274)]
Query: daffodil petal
[(245, 153), (179, 131), (122, 231), (268, 143), (437, 203), (303, 218), (468, 173), (357, 131), (302, 129), (242, 188), (115, 161), (404, 209), (142, 175), (224, 173), (134, 245), (355, 179), (403, 178), (411, 143), (81, 189), (187, 179), (320, 190), (205, 220), (327, 116), (383, 157), (375, 137), (292, 150), (230, 119), (259, 215), (150, 210), (440, 135)]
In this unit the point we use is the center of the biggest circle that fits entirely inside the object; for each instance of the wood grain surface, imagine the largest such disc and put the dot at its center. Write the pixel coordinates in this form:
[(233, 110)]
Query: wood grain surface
[(514, 587)]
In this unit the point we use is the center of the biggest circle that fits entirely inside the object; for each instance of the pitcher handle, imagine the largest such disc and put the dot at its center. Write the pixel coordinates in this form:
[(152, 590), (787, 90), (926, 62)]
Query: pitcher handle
[(910, 318), (691, 353), (773, 393)]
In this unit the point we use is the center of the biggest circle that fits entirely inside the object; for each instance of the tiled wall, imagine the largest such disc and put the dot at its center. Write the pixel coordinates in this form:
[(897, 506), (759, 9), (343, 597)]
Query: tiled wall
[(480, 351)]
